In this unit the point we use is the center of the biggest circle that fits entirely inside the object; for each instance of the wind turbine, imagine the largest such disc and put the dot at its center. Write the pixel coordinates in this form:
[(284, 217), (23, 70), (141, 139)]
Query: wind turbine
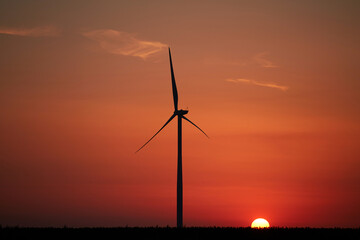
[(180, 114)]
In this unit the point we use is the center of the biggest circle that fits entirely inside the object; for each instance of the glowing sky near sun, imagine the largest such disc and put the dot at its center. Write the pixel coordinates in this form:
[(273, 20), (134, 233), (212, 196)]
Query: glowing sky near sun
[(275, 84)]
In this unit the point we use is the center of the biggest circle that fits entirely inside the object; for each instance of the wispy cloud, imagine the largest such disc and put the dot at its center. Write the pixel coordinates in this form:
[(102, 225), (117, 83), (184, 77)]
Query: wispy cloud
[(262, 84), (261, 58), (123, 43), (47, 31)]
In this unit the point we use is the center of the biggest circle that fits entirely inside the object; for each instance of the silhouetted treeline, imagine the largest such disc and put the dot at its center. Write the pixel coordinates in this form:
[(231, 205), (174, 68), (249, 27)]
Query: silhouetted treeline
[(173, 233)]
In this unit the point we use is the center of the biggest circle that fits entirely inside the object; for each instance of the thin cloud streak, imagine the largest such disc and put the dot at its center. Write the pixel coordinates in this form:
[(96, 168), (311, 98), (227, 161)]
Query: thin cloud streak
[(261, 59), (262, 84), (47, 31), (123, 43)]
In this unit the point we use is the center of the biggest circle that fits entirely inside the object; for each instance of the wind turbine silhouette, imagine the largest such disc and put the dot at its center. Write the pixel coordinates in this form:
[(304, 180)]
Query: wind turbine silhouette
[(180, 114)]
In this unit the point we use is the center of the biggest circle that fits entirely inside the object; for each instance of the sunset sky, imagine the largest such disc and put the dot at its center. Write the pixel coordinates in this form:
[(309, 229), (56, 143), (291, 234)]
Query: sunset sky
[(275, 84)]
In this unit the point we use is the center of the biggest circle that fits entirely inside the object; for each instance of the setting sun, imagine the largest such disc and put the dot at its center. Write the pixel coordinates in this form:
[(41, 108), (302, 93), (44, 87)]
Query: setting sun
[(260, 223)]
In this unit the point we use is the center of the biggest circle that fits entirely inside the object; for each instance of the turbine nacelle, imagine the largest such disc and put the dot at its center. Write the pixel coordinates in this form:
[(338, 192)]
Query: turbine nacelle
[(181, 112)]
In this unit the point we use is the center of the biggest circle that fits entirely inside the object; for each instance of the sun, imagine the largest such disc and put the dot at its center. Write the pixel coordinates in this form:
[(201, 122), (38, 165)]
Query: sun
[(260, 223)]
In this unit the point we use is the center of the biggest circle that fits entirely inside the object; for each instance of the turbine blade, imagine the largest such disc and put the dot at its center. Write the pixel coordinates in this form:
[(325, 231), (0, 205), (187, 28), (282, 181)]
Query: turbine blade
[(171, 118), (174, 89), (195, 125)]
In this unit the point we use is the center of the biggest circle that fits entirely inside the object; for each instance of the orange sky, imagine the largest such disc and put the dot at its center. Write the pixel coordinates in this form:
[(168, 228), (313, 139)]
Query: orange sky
[(275, 84)]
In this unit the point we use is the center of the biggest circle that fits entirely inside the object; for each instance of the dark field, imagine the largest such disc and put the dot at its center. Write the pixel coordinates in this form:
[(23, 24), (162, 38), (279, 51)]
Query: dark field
[(173, 233)]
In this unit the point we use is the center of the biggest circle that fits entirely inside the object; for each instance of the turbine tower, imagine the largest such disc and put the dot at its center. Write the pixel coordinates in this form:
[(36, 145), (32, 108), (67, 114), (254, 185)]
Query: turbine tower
[(180, 114)]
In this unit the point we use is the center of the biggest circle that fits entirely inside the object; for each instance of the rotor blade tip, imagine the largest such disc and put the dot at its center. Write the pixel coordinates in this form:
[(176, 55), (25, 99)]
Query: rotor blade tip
[(171, 118), (195, 126)]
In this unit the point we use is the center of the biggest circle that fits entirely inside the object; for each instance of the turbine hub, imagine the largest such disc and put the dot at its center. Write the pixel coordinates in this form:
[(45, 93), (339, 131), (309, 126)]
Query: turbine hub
[(181, 112)]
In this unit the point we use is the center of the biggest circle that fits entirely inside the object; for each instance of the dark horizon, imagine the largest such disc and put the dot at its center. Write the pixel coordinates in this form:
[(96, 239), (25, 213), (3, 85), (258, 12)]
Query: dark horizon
[(181, 233)]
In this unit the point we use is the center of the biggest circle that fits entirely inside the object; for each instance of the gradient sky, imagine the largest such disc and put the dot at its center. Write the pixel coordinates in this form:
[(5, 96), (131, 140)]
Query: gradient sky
[(275, 84)]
